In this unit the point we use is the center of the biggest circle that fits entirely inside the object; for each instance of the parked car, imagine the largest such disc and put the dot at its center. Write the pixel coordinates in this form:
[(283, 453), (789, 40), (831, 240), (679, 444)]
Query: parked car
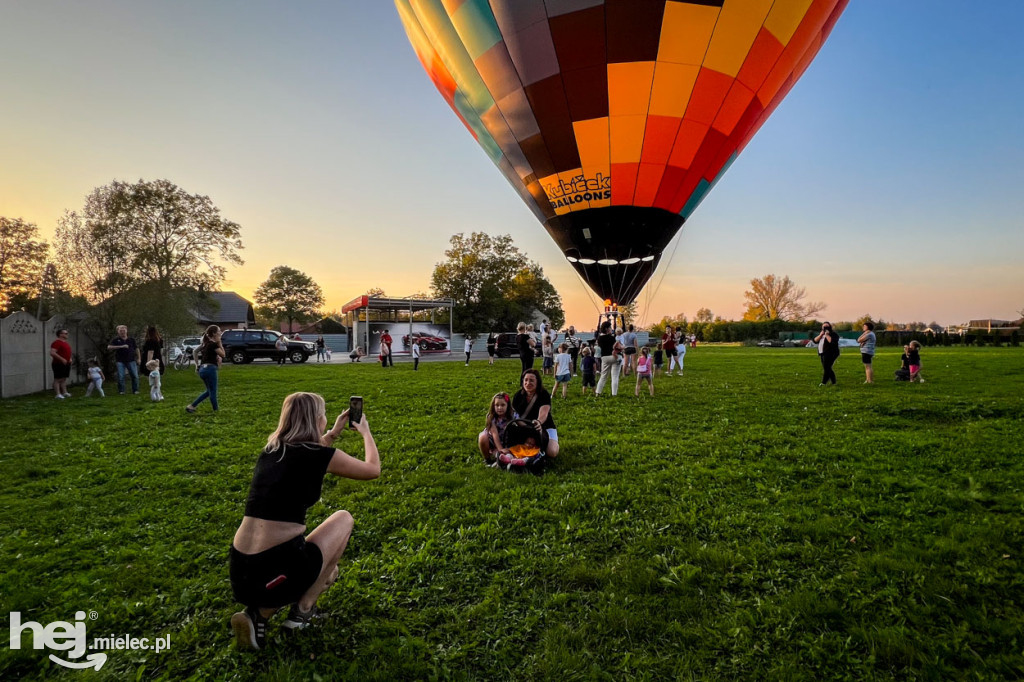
[(425, 342), (245, 345), (506, 346)]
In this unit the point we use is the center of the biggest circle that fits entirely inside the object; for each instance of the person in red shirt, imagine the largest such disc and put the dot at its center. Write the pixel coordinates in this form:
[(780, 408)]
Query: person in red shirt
[(386, 340), (60, 362), (668, 343)]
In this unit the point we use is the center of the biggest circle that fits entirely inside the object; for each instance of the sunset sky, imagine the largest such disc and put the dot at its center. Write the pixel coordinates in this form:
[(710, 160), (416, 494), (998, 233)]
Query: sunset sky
[(889, 182)]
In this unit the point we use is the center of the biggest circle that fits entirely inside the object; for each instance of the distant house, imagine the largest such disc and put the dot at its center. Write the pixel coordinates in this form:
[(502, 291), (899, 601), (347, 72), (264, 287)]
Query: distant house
[(227, 310), (326, 325), (989, 325)]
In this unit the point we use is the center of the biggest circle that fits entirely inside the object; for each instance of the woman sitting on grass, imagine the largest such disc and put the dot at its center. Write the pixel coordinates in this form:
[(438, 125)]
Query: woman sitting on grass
[(533, 403), (273, 563)]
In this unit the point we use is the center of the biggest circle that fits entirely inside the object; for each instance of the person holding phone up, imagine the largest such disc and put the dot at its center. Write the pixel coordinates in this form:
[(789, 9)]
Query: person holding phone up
[(828, 352), (273, 562)]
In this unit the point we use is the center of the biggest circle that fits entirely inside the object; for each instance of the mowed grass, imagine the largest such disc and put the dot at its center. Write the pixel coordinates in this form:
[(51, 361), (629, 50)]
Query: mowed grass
[(743, 524)]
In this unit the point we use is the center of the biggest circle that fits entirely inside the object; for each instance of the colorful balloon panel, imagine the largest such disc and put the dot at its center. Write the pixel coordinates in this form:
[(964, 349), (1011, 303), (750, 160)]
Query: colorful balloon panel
[(614, 118)]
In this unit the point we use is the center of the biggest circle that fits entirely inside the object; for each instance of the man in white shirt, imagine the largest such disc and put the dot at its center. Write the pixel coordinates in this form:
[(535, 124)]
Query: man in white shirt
[(469, 349)]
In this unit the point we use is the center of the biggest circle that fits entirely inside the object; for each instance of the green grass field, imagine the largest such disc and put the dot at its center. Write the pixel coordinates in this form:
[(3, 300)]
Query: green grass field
[(743, 524)]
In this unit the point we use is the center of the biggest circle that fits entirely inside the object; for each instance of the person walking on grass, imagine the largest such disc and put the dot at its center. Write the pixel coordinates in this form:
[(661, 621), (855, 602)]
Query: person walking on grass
[(645, 371), (321, 348), (273, 562), (828, 352), (492, 344), (914, 360), (659, 359), (680, 354), (563, 368), (668, 343), (155, 394), (126, 353), (415, 356), (96, 378), (60, 363), (629, 344), (867, 351), (210, 353), (468, 349)]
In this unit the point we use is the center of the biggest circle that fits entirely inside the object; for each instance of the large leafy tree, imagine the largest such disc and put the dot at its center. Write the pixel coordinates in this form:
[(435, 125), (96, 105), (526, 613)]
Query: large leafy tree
[(148, 231), (774, 298), (289, 294), (494, 285), (22, 263)]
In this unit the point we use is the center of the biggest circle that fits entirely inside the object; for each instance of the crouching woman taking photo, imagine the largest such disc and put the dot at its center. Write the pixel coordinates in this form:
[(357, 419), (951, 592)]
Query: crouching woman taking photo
[(273, 562)]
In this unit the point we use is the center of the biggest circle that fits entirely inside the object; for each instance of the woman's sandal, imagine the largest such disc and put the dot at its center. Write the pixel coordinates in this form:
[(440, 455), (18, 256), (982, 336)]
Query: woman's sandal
[(190, 409)]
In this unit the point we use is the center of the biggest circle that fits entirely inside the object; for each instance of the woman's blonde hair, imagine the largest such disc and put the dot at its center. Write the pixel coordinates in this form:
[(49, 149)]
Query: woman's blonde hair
[(300, 421), (521, 327)]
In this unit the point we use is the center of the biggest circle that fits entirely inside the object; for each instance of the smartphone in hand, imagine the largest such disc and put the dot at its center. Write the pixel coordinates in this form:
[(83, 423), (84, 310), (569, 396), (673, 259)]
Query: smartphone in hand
[(355, 410)]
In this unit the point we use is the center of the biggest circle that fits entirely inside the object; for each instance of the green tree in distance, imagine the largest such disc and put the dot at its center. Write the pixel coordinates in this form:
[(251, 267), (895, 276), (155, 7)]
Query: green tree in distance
[(22, 261), (772, 298), (704, 315), (493, 284), (149, 231), (289, 294)]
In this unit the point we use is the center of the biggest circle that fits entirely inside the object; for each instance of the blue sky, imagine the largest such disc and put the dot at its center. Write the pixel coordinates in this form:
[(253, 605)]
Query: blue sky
[(887, 183)]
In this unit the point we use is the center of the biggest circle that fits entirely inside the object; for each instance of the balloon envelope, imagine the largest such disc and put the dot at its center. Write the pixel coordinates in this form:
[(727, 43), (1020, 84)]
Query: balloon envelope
[(613, 118)]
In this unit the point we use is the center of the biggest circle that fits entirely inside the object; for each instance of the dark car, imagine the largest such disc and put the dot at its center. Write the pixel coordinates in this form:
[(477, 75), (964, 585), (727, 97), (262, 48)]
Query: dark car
[(506, 346), (245, 345), (425, 342)]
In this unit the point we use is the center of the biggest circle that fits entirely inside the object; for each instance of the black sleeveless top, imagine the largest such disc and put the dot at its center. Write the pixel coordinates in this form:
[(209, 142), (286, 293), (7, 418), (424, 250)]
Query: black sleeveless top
[(287, 482)]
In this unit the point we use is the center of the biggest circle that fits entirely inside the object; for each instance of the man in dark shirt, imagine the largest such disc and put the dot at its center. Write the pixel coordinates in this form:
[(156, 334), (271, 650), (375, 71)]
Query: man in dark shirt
[(126, 353)]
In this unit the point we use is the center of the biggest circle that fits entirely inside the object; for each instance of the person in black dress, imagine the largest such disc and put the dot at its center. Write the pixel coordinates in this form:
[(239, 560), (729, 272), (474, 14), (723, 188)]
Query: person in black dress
[(828, 352)]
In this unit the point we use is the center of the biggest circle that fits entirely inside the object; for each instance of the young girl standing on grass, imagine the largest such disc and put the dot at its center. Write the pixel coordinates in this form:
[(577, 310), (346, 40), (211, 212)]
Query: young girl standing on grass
[(589, 366), (659, 359), (95, 378), (498, 417), (155, 394), (645, 371), (914, 357), (548, 351)]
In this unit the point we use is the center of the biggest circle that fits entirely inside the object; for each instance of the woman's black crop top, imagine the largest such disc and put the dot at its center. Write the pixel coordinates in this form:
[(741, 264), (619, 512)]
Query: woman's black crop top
[(286, 484)]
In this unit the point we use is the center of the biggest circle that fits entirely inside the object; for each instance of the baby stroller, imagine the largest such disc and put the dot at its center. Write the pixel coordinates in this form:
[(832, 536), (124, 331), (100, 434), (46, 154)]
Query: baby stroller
[(526, 444)]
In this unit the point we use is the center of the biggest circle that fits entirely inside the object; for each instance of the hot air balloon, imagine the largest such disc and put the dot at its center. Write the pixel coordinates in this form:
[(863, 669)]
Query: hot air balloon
[(613, 118)]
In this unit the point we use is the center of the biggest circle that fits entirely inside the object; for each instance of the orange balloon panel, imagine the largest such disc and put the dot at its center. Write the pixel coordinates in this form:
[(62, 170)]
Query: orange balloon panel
[(613, 118)]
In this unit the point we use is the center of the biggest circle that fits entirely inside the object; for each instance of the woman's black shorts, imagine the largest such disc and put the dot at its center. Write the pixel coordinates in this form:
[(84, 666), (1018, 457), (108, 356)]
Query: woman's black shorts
[(630, 350), (866, 358), (277, 576), (60, 370)]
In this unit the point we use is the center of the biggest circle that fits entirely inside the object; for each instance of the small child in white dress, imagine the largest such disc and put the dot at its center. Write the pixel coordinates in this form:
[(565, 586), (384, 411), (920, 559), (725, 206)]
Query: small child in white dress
[(154, 381), (96, 378)]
